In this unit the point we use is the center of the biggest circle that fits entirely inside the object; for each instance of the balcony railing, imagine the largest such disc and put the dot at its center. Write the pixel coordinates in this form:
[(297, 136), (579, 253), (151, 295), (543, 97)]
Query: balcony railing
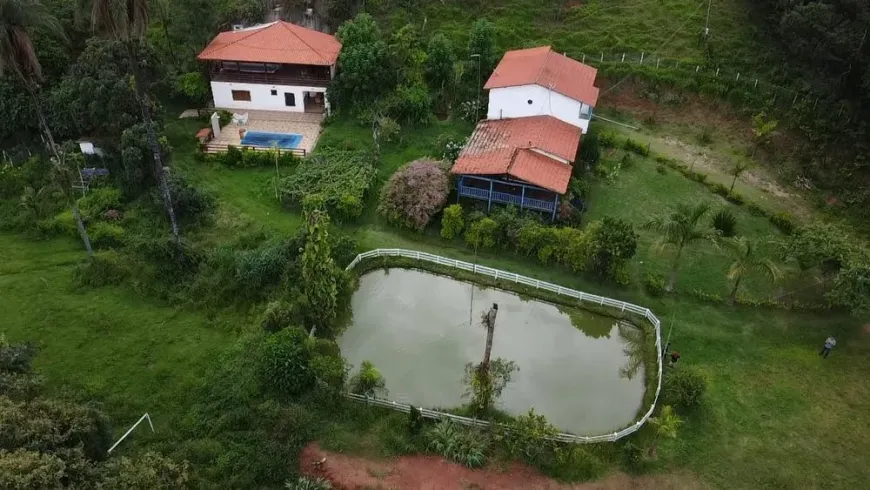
[(277, 78), (505, 198)]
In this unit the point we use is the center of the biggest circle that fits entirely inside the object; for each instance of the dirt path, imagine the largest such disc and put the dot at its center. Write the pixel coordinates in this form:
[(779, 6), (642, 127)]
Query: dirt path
[(433, 473)]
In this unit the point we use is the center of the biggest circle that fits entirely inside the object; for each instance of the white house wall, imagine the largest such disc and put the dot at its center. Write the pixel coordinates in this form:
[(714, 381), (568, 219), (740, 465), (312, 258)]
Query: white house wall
[(510, 102), (261, 96)]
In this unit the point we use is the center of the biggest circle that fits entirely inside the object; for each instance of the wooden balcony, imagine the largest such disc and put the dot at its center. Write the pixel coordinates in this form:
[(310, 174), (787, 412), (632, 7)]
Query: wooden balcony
[(298, 75), (493, 191)]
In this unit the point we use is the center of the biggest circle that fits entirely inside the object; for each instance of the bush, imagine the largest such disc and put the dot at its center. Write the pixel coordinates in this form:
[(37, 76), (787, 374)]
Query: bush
[(726, 223), (105, 235), (452, 222), (607, 139), (414, 194), (589, 153), (736, 198), (575, 462), (284, 363), (717, 188), (784, 222), (697, 177), (278, 316), (654, 284), (685, 386), (388, 128), (336, 176), (98, 201), (191, 204), (528, 438), (107, 268), (460, 444), (756, 210), (410, 104), (248, 158), (306, 483), (661, 169), (368, 381), (636, 147), (611, 245), (481, 234)]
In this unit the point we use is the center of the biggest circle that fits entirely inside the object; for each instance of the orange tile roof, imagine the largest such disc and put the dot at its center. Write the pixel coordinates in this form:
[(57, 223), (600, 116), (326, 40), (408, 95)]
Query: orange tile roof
[(278, 42), (549, 69), (514, 147)]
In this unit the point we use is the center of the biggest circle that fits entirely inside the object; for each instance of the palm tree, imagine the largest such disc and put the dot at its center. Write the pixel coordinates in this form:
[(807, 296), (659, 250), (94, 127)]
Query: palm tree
[(681, 228), (127, 21), (737, 170), (746, 261), (18, 55), (666, 424)]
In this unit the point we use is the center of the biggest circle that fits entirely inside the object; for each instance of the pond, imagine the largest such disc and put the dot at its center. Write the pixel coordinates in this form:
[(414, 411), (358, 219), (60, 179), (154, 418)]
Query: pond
[(414, 326)]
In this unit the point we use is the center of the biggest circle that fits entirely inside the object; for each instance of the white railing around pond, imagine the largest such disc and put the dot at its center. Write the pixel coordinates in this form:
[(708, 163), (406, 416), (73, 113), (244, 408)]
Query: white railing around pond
[(621, 306)]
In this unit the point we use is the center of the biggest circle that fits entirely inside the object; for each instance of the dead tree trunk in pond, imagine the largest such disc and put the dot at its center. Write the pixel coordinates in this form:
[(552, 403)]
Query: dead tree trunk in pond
[(488, 321)]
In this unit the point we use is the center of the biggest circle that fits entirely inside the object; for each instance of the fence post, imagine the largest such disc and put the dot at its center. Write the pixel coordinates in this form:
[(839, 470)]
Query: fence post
[(623, 58), (641, 57), (584, 59), (658, 60), (717, 72), (697, 68), (755, 85), (794, 101), (602, 57), (738, 77)]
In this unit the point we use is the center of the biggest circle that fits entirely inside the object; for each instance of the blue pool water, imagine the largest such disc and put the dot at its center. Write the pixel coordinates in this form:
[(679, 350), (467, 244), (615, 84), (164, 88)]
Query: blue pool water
[(283, 140)]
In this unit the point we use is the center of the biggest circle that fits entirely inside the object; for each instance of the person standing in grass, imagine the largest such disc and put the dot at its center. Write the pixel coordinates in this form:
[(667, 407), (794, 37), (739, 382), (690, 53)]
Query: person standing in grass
[(829, 344)]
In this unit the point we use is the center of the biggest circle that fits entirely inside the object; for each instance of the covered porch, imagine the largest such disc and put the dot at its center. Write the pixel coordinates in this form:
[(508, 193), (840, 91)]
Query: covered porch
[(493, 189)]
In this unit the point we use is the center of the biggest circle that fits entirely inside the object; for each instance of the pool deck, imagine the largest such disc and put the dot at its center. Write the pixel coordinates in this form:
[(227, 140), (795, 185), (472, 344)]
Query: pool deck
[(305, 124)]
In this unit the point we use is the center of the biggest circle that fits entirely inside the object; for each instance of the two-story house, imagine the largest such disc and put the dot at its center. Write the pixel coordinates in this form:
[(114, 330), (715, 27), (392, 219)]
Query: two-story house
[(272, 67), (540, 104)]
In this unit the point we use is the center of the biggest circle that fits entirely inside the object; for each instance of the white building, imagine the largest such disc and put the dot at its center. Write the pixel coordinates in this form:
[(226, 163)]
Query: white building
[(540, 82), (272, 67)]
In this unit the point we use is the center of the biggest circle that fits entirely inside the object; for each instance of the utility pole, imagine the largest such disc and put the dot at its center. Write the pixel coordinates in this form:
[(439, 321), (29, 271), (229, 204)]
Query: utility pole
[(707, 23), (489, 324), (477, 102)]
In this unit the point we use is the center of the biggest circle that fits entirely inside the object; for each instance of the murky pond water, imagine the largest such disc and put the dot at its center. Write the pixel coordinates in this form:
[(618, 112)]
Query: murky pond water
[(414, 326)]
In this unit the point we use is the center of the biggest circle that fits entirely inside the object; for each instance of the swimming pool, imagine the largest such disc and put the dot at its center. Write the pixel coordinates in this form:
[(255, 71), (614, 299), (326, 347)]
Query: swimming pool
[(283, 140)]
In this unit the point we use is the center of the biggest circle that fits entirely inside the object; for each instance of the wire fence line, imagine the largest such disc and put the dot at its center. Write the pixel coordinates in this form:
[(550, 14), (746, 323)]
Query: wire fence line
[(516, 278), (778, 95)]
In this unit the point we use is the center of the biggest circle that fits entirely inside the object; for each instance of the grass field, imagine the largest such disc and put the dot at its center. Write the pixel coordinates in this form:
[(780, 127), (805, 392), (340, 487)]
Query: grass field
[(776, 415), (669, 28)]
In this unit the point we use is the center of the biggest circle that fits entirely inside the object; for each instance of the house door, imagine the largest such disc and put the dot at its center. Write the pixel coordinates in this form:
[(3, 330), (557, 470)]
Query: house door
[(289, 99)]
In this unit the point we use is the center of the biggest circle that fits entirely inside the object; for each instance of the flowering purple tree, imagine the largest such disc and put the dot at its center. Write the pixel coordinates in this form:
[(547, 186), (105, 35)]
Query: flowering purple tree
[(414, 194)]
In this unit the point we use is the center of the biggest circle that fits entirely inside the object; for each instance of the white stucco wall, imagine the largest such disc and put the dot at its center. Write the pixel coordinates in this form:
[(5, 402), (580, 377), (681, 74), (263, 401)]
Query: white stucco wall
[(509, 102), (261, 96)]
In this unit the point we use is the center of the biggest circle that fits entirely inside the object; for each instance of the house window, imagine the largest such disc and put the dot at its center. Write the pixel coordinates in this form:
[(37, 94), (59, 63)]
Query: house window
[(289, 99), (585, 111), (242, 95), (274, 92)]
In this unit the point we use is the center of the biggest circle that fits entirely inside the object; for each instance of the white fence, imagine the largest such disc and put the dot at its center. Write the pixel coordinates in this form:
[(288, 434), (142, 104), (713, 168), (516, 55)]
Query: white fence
[(509, 276)]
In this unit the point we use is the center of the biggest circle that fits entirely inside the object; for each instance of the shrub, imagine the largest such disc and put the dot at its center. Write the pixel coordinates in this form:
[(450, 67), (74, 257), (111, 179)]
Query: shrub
[(284, 363), (756, 210), (660, 168), (333, 174), (107, 268), (368, 381), (100, 200), (457, 443), (278, 316), (388, 128), (347, 208), (726, 223), (414, 194), (105, 235), (611, 245), (636, 147), (528, 438), (249, 158), (698, 177), (654, 284), (784, 222), (607, 139), (736, 198), (452, 222), (410, 104), (308, 483), (685, 386), (589, 153), (718, 189), (191, 204), (575, 462), (481, 234), (16, 358), (626, 161)]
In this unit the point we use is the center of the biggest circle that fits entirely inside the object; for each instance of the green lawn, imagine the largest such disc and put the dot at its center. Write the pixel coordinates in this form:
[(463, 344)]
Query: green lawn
[(776, 414)]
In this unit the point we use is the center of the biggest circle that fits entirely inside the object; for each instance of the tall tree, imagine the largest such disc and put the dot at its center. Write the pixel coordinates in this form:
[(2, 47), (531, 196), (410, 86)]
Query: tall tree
[(18, 55), (319, 273), (439, 64), (127, 21), (747, 261), (681, 228)]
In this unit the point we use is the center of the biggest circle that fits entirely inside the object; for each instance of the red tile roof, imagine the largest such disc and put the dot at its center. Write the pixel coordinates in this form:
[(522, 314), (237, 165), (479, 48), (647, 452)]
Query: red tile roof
[(520, 148), (278, 42), (544, 67)]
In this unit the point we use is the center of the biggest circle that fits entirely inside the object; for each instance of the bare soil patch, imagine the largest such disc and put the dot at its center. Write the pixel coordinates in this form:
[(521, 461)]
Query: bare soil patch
[(434, 473)]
